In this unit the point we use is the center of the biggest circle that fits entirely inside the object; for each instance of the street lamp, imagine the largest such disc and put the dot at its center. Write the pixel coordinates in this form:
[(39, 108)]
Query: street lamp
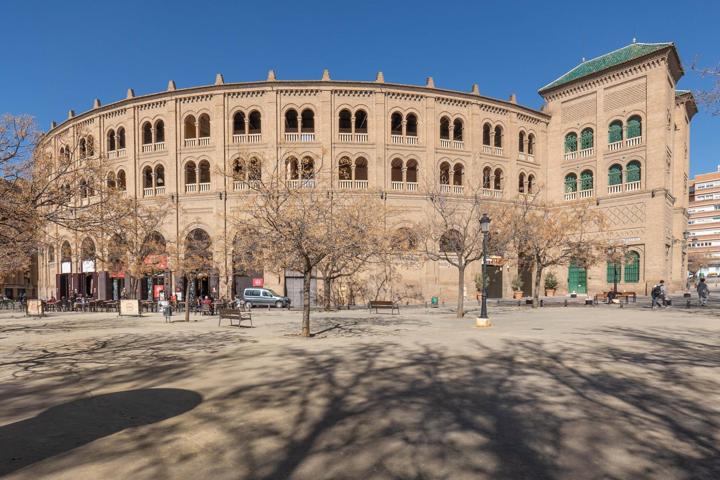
[(485, 229), (611, 256)]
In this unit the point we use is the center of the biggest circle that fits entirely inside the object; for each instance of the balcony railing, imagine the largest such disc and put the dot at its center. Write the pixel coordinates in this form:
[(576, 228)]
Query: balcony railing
[(353, 184), (301, 183), (627, 143), (204, 141), (160, 190), (396, 185), (531, 157), (457, 189), (148, 147), (571, 155), (634, 141), (299, 137), (190, 187), (190, 142), (361, 137), (148, 192), (120, 152), (445, 188), (397, 139), (445, 143), (632, 186), (239, 185), (587, 193), (615, 188), (158, 147), (587, 152), (615, 146), (204, 187), (491, 192), (410, 140), (249, 138), (571, 195), (352, 137), (411, 186), (345, 137)]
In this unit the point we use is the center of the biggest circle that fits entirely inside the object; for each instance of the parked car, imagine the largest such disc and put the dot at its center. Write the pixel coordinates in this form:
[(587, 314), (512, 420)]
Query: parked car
[(264, 296)]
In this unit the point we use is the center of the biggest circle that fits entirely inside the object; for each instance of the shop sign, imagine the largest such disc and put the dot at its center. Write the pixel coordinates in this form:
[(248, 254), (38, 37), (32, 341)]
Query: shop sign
[(258, 282)]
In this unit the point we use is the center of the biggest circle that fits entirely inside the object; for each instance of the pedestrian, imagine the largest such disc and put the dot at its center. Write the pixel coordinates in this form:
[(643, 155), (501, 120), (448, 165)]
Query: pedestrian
[(658, 295), (703, 292)]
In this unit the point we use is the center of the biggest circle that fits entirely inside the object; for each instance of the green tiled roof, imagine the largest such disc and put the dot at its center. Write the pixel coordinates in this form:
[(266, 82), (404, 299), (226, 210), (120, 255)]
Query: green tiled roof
[(625, 54)]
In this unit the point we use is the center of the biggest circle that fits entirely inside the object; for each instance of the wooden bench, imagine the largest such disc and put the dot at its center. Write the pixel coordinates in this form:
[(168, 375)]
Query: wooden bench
[(385, 305), (235, 315), (603, 296)]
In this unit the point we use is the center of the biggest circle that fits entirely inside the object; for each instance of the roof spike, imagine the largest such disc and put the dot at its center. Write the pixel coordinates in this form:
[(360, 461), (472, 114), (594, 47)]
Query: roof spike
[(53, 124), (71, 113), (271, 76), (475, 89), (634, 40), (380, 78), (171, 86), (326, 75), (429, 82), (130, 93), (219, 80), (96, 103), (513, 98)]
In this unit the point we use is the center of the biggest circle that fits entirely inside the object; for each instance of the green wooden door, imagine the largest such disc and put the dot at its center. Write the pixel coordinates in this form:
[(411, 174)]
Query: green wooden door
[(577, 279)]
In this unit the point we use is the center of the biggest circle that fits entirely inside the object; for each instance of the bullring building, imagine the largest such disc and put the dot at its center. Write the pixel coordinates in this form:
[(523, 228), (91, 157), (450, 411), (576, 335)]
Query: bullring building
[(614, 129)]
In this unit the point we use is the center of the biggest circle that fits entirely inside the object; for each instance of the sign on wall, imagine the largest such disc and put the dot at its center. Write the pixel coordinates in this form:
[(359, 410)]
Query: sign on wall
[(65, 267), (258, 282), (88, 265)]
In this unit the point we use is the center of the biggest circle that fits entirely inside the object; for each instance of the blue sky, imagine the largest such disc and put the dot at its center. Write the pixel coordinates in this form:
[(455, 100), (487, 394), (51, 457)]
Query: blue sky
[(61, 55)]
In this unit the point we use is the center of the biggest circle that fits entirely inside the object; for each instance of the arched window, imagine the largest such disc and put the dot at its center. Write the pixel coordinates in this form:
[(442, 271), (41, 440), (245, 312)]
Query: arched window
[(615, 174), (198, 250), (121, 184), (190, 173), (451, 242), (345, 169), (411, 125), (411, 171), (444, 173), (586, 180), (587, 139), (615, 132), (345, 121), (83, 189), (239, 123), (396, 121), (291, 121), (82, 148), (361, 169), (159, 131), (498, 136), (521, 142), (571, 142), (90, 146), (487, 177), (531, 144), (51, 254), (308, 121), (147, 177), (111, 140), (458, 130), (159, 176), (190, 127), (498, 181), (571, 183), (111, 181), (153, 245), (458, 171), (521, 183), (634, 127), (238, 170), (531, 183), (254, 123), (87, 255), (632, 267), (204, 126), (405, 238), (255, 170), (396, 173), (292, 170), (308, 168), (204, 168), (445, 128), (361, 122), (121, 137), (487, 131), (65, 252), (633, 171)]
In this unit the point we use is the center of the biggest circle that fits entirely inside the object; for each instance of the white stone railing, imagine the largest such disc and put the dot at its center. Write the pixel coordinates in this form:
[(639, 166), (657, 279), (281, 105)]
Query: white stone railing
[(445, 188), (410, 140), (203, 141), (299, 137), (361, 137), (160, 190), (204, 187), (491, 192), (632, 186), (571, 155), (521, 156), (301, 183), (345, 137), (397, 139), (587, 193), (411, 186), (531, 157), (615, 146), (116, 153), (396, 185), (292, 137), (445, 143), (148, 192), (457, 189), (353, 184), (158, 147), (190, 142), (249, 138), (148, 147), (614, 188), (307, 137), (362, 184), (498, 151), (239, 185), (587, 152), (345, 184), (571, 195), (458, 145), (634, 141), (190, 187), (487, 149)]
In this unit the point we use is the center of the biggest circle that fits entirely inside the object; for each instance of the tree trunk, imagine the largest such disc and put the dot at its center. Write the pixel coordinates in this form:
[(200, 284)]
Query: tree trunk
[(461, 292), (307, 277), (536, 290), (187, 300), (327, 293)]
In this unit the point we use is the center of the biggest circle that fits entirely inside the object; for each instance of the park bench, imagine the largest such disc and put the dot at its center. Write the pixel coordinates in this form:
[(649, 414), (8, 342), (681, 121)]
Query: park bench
[(603, 296), (384, 305), (235, 315)]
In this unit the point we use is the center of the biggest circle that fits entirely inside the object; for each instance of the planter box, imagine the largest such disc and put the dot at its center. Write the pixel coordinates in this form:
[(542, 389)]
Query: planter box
[(549, 292), (129, 308), (517, 295), (35, 308)]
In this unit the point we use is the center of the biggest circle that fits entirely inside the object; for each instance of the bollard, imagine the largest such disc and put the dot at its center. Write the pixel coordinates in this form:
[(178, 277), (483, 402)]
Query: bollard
[(687, 305), (565, 304), (541, 302), (621, 305)]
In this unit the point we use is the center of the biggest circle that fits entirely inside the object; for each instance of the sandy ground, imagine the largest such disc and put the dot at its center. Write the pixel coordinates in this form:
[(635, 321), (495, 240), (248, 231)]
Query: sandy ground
[(572, 393)]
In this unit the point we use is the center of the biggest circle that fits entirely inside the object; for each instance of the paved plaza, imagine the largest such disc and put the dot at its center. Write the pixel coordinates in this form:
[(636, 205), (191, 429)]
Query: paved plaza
[(572, 393)]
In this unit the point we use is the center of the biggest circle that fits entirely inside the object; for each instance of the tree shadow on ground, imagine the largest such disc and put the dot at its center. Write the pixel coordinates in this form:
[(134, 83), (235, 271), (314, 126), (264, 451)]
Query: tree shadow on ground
[(73, 424)]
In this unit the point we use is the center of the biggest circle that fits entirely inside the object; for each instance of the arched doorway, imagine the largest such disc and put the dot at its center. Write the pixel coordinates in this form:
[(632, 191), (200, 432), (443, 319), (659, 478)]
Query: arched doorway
[(156, 279), (244, 275), (201, 278)]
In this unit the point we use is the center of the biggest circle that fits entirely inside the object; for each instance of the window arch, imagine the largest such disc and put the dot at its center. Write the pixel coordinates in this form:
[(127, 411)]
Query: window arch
[(239, 170), (632, 267), (634, 127), (458, 172), (90, 146), (190, 173), (411, 171), (531, 144), (615, 131), (571, 142), (159, 176), (615, 174), (254, 123), (633, 171), (405, 238), (292, 170), (308, 168), (345, 121), (571, 183), (307, 121), (159, 131), (65, 252), (531, 183), (586, 180), (587, 139), (521, 141), (204, 171), (82, 148), (445, 128), (204, 126), (121, 183), (345, 169), (521, 183), (83, 188), (396, 170), (498, 181), (487, 177), (239, 123), (198, 248), (121, 137), (613, 272), (291, 121), (110, 181), (396, 122), (255, 170), (361, 169), (411, 125), (487, 130), (147, 176), (111, 140), (190, 127), (87, 255), (361, 121), (444, 173), (451, 242), (458, 130), (498, 136)]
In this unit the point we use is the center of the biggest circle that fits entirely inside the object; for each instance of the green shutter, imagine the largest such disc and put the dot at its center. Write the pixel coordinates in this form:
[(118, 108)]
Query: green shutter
[(586, 180), (613, 270), (571, 142), (633, 172), (632, 267), (570, 183), (615, 133), (634, 128), (615, 175), (586, 139)]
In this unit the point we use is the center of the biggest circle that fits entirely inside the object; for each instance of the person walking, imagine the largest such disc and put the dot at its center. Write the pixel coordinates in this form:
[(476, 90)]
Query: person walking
[(703, 292), (658, 295)]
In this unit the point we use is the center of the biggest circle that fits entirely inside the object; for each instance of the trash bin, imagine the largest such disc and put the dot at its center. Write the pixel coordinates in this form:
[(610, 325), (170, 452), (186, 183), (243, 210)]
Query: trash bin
[(434, 302)]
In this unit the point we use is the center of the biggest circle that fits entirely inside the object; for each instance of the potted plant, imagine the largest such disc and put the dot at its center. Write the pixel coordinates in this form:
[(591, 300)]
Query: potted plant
[(479, 284), (517, 285), (551, 284)]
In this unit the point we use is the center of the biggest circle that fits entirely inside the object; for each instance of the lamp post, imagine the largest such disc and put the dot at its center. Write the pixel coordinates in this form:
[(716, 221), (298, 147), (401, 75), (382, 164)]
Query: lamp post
[(485, 229), (611, 255)]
